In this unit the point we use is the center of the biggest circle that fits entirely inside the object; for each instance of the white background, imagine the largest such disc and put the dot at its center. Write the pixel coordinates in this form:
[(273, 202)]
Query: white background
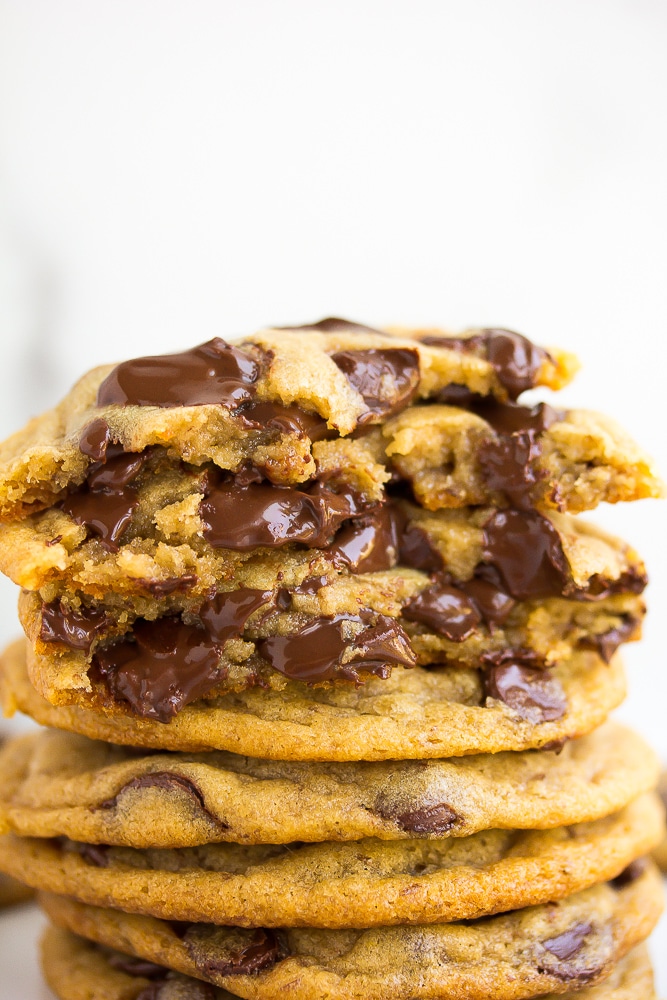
[(174, 170)]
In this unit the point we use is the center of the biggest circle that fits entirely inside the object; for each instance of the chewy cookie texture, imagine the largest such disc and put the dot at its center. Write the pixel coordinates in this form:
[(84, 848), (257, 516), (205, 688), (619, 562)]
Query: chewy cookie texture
[(328, 658)]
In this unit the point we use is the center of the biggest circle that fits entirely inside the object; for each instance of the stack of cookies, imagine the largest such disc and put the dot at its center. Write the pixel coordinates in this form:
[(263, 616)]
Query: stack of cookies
[(326, 662)]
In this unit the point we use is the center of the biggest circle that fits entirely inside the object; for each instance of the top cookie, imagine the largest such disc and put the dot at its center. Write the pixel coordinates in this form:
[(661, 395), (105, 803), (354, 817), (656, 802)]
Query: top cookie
[(278, 405)]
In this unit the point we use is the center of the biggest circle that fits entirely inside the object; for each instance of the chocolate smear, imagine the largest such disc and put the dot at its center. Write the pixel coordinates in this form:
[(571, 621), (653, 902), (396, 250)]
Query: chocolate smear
[(525, 550), (170, 782), (320, 650), (535, 695), (435, 819), (225, 615), (515, 359), (608, 642), (242, 517), (162, 588), (387, 378), (233, 951), (370, 544), (74, 629), (169, 665), (446, 610), (285, 420), (212, 373)]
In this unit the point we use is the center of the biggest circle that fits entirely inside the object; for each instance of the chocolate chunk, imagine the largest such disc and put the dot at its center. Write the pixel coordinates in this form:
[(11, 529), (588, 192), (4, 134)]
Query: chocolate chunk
[(533, 694), (512, 418), (525, 550), (493, 604), (212, 373), (570, 942), (233, 951), (74, 629), (139, 967), (630, 581), (387, 379), (226, 614), (608, 642), (370, 544), (169, 782), (162, 588), (169, 665), (285, 420), (417, 551), (446, 610), (630, 874), (94, 854), (106, 515), (515, 359), (317, 651), (333, 324), (436, 819), (95, 439), (242, 517)]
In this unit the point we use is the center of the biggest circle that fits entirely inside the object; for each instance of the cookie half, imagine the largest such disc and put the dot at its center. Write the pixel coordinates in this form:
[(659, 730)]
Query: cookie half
[(59, 784), (554, 948), (361, 884)]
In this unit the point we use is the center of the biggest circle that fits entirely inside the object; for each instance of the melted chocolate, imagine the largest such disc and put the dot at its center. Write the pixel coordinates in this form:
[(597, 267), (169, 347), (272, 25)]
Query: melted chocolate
[(226, 614), (315, 653), (630, 874), (370, 544), (608, 642), (162, 588), (168, 665), (242, 517), (106, 515), (418, 552), (533, 694), (95, 439), (567, 945), (227, 951), (285, 420), (515, 359), (212, 373), (74, 629), (446, 610), (333, 324), (436, 819), (493, 604), (387, 378), (525, 550), (169, 782)]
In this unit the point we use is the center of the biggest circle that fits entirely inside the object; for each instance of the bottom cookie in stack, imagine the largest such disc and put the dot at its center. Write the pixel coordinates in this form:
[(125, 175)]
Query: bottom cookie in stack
[(77, 969), (552, 948)]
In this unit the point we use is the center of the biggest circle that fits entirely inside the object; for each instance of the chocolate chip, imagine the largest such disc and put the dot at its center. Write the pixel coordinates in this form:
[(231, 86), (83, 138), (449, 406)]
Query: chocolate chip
[(387, 378), (418, 552), (285, 420), (578, 955), (315, 653), (74, 629), (168, 665), (370, 544), (570, 942), (94, 854), (630, 874), (162, 588), (606, 643), (436, 819), (515, 359), (493, 604), (242, 517), (214, 372), (233, 951), (170, 782), (226, 614), (525, 550), (534, 695), (446, 610), (333, 324), (133, 966)]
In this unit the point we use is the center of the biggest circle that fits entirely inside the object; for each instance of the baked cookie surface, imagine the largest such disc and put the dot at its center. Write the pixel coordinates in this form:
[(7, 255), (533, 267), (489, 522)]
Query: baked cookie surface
[(74, 968), (59, 784), (575, 942), (362, 884)]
